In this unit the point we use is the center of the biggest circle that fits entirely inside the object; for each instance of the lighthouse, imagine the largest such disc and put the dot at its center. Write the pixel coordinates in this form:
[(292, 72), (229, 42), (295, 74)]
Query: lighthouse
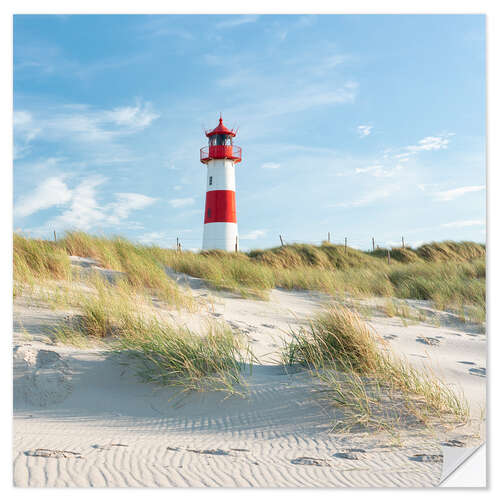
[(220, 229)]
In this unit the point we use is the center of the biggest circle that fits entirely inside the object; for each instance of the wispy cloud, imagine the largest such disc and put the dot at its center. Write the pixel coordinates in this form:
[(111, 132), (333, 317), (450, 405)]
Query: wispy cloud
[(49, 60), (452, 194), (25, 130), (253, 235), (232, 22), (82, 123), (464, 223), (364, 130), (81, 209), (270, 164), (181, 202), (379, 170), (152, 237), (51, 192), (164, 26), (431, 143), (369, 198)]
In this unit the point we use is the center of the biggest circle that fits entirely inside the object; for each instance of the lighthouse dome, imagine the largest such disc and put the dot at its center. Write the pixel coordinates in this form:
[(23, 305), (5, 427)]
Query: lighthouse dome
[(220, 129)]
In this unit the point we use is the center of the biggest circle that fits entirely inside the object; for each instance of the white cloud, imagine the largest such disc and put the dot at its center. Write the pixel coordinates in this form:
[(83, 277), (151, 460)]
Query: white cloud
[(152, 237), (270, 164), (364, 130), (464, 223), (431, 143), (231, 22), (135, 117), (181, 202), (84, 211), (253, 235), (452, 194), (81, 208), (126, 203), (82, 123), (25, 130), (51, 192), (369, 198)]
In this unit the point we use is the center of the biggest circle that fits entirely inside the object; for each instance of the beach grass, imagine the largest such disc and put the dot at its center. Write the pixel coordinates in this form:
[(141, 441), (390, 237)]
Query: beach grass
[(451, 274), (120, 319), (376, 389)]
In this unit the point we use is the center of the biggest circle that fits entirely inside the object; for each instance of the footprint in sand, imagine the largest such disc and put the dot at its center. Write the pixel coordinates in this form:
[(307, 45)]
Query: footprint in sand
[(480, 372), (104, 447), (391, 337), (454, 442), (428, 340), (318, 462), (46, 453), (424, 457), (47, 379), (467, 362), (267, 325), (352, 454), (218, 451)]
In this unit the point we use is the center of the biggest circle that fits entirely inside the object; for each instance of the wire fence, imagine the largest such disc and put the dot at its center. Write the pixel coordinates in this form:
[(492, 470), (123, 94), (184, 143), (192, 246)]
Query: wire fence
[(179, 241)]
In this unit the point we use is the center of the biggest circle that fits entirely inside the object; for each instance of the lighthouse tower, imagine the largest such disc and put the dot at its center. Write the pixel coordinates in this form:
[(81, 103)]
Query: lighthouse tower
[(220, 157)]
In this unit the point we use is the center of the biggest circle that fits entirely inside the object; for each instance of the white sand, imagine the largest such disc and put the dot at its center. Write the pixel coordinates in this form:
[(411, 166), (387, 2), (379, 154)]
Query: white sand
[(126, 433)]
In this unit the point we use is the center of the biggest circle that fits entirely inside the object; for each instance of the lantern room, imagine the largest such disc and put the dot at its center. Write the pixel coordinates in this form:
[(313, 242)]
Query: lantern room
[(220, 145)]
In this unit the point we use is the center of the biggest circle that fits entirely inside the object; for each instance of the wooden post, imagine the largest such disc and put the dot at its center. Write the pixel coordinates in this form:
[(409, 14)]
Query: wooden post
[(180, 247), (345, 245), (373, 243), (403, 241), (236, 244), (55, 237), (281, 239), (328, 236), (388, 256), (177, 244)]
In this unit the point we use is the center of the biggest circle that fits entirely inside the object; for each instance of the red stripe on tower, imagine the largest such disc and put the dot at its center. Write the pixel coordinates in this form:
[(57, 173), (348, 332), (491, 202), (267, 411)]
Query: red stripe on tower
[(220, 206)]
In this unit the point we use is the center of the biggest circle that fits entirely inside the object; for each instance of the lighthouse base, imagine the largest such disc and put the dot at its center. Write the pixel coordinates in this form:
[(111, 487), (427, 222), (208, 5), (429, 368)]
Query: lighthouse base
[(220, 236)]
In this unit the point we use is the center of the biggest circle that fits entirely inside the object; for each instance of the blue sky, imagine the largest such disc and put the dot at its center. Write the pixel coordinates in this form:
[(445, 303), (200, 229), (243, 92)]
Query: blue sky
[(362, 126)]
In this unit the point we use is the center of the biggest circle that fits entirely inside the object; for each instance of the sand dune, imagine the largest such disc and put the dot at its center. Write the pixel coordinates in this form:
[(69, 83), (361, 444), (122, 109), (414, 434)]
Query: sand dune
[(81, 418)]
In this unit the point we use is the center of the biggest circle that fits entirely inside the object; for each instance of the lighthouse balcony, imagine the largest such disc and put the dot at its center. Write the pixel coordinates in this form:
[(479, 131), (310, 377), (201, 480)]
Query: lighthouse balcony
[(217, 152)]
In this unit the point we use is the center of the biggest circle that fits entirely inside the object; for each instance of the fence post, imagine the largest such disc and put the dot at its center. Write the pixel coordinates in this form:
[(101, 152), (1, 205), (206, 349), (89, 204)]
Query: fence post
[(281, 239), (177, 244), (55, 237), (373, 244), (345, 245), (403, 241), (388, 256), (236, 244), (328, 236)]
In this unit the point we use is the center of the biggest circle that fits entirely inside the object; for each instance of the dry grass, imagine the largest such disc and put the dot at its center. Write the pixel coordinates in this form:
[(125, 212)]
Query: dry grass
[(376, 389), (122, 320), (179, 357), (452, 275), (38, 260)]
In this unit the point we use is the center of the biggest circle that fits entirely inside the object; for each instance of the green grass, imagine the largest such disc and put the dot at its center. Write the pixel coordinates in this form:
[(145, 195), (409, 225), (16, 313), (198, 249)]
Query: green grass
[(178, 357), (375, 389)]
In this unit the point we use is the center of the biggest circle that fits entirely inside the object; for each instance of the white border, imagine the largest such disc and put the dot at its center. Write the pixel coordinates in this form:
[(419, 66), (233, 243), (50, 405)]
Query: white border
[(10, 7)]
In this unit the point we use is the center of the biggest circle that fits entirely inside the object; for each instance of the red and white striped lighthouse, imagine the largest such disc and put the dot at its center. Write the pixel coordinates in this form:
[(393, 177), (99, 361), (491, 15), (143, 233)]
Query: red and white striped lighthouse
[(220, 229)]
